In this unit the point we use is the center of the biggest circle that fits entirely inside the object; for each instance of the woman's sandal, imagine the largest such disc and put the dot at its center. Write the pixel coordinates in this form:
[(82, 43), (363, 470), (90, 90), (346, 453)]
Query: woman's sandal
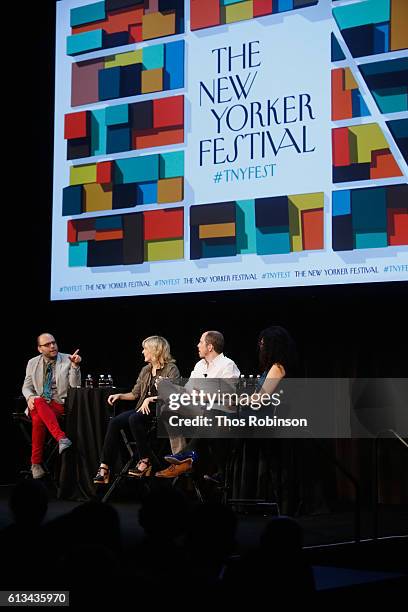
[(142, 468), (102, 476)]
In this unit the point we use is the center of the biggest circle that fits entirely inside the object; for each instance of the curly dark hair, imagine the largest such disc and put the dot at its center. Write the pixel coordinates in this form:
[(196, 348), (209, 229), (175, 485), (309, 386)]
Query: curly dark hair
[(276, 345)]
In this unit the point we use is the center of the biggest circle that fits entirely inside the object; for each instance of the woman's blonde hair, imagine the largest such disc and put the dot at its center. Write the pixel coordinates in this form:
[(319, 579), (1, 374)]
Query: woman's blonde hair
[(160, 349)]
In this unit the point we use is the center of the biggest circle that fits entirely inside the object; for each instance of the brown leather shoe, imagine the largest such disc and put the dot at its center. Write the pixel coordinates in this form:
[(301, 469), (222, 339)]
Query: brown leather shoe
[(175, 470)]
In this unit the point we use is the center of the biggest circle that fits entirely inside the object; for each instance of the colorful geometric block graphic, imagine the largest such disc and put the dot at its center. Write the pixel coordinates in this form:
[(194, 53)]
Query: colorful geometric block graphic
[(266, 226), (361, 152), (370, 218), (147, 70), (112, 23), (388, 83), (140, 125), (347, 101), (336, 52), (126, 239), (373, 26), (124, 183), (209, 13), (399, 130), (104, 204)]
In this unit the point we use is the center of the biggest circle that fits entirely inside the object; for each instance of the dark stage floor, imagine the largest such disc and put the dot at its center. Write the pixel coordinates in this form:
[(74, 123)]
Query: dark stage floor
[(319, 530), (338, 564)]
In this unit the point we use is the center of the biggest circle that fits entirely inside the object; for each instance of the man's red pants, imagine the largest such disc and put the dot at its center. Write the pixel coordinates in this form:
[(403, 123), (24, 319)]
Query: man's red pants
[(44, 416)]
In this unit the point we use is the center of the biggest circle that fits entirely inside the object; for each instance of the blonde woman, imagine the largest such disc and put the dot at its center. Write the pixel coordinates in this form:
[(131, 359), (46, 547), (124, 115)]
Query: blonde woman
[(160, 363)]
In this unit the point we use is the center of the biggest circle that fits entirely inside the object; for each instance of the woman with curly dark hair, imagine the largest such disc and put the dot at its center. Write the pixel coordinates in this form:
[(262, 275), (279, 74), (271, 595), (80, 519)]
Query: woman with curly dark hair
[(277, 357)]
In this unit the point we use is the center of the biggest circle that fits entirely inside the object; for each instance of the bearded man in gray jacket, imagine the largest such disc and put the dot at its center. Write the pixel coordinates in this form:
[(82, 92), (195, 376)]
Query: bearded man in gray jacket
[(45, 388)]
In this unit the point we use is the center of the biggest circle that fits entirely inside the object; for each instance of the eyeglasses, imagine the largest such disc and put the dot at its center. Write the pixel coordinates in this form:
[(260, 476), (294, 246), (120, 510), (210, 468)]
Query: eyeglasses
[(48, 344)]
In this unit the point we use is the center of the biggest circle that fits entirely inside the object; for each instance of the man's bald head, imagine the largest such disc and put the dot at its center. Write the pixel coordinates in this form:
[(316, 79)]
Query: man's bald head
[(47, 345)]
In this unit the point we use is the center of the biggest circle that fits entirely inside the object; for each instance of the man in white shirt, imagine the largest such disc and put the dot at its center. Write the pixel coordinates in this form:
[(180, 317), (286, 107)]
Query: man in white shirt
[(213, 364)]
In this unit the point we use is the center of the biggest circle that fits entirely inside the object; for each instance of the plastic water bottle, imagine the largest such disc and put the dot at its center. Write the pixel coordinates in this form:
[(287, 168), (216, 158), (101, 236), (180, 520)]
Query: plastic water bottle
[(101, 383), (89, 383), (110, 381)]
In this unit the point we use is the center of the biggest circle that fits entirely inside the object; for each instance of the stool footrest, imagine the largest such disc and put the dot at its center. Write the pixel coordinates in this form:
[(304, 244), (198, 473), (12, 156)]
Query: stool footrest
[(257, 504)]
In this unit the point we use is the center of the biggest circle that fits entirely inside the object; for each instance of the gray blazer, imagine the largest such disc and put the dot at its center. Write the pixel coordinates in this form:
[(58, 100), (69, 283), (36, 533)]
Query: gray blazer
[(65, 375)]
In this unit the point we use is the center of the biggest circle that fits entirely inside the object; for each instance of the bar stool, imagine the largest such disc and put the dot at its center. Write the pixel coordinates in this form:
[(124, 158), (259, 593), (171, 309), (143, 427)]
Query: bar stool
[(51, 448), (194, 479), (132, 449)]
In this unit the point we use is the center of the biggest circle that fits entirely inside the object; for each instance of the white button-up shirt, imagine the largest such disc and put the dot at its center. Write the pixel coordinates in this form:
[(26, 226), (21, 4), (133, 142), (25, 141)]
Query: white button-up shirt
[(220, 370), (220, 367)]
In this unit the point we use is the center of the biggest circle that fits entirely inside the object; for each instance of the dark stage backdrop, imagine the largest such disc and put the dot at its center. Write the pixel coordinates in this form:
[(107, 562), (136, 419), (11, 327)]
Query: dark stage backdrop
[(340, 330)]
